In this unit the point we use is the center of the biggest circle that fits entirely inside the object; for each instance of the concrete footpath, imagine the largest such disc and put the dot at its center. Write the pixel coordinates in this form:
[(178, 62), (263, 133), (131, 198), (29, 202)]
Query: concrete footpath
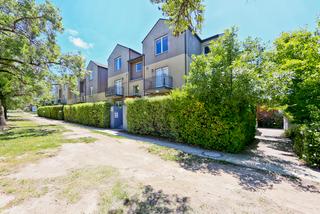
[(272, 152)]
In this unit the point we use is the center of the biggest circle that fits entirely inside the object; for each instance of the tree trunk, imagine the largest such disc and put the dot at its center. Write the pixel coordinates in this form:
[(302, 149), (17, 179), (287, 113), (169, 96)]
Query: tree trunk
[(5, 113), (2, 117)]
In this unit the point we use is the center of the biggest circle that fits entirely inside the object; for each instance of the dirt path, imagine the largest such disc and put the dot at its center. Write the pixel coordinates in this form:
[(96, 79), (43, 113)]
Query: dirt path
[(200, 187)]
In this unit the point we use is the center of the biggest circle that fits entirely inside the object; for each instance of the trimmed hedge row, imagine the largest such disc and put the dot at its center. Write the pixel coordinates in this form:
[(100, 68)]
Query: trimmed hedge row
[(91, 114), (186, 120), (306, 142), (53, 112)]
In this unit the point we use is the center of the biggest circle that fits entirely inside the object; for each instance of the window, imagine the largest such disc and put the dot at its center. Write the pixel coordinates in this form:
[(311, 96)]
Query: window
[(138, 67), (162, 77), (136, 90), (91, 75), (118, 87), (161, 45), (91, 90), (206, 50), (117, 64)]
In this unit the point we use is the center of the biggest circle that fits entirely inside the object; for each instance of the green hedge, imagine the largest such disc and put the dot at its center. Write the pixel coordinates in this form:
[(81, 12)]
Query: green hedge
[(91, 114), (53, 112), (183, 119), (306, 142)]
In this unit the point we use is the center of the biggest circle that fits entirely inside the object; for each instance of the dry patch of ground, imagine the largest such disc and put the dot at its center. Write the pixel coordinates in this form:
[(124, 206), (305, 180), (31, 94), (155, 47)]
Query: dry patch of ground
[(133, 177)]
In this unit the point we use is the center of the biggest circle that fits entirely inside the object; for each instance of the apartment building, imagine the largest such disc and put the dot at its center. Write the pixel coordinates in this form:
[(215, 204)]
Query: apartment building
[(92, 87), (168, 58), (162, 65), (125, 68), (60, 94), (164, 62)]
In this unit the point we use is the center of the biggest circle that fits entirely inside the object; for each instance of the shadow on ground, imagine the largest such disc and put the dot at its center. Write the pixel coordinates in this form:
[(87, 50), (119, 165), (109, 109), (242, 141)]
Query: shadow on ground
[(250, 179), (11, 134), (152, 201)]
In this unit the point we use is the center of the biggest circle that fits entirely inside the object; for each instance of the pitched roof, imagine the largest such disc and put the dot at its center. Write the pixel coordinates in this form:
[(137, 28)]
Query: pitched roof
[(196, 35), (130, 49), (100, 64), (212, 37), (161, 19)]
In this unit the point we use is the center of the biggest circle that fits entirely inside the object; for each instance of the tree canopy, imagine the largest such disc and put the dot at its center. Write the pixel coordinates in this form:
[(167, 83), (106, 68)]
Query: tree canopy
[(30, 58), (182, 14), (296, 62)]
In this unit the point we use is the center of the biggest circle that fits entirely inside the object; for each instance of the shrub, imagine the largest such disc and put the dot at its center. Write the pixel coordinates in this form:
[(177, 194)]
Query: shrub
[(306, 143), (91, 114), (53, 112), (183, 119)]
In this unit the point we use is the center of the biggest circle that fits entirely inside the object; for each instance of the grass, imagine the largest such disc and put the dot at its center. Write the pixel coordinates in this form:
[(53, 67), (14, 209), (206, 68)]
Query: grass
[(21, 190), (166, 153), (113, 199), (26, 141), (69, 188), (82, 140), (107, 134), (79, 181)]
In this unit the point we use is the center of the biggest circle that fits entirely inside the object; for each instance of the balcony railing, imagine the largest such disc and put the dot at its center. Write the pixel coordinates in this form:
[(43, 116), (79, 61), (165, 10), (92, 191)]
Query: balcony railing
[(114, 91), (158, 82)]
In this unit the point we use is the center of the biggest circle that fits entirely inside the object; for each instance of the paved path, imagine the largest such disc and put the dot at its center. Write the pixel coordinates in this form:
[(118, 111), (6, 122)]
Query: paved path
[(272, 152)]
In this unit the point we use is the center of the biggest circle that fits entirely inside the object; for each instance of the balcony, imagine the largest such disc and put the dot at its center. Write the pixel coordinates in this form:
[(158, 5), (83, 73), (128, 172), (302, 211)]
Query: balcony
[(114, 91), (159, 84)]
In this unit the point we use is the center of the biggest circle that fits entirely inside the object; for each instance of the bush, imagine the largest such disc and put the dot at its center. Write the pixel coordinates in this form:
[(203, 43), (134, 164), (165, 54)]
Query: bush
[(53, 112), (91, 114), (184, 119), (306, 143)]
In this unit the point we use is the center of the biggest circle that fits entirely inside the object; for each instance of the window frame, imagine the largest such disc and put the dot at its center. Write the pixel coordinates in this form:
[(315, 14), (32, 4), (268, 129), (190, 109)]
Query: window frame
[(161, 45), (91, 76), (136, 87), (136, 65), (116, 61), (204, 49), (118, 87), (91, 90)]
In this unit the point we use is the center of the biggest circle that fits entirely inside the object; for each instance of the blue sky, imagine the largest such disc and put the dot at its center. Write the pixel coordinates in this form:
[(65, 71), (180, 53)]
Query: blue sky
[(94, 27)]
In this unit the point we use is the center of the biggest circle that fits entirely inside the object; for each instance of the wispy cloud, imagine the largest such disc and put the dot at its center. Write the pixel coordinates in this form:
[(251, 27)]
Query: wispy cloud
[(72, 32), (78, 42)]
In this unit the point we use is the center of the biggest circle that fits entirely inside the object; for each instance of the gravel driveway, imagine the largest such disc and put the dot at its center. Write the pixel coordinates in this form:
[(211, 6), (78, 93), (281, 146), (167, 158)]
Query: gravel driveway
[(190, 187)]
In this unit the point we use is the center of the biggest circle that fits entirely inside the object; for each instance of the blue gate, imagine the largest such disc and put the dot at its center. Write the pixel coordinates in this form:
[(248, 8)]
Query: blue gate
[(116, 117)]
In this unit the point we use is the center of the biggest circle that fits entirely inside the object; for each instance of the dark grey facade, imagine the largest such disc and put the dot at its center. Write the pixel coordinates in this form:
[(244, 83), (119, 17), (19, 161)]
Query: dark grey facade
[(96, 82)]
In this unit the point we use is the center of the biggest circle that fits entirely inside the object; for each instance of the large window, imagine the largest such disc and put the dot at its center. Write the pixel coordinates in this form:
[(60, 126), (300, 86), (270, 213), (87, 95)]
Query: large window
[(118, 87), (162, 77), (138, 67), (117, 64), (161, 45)]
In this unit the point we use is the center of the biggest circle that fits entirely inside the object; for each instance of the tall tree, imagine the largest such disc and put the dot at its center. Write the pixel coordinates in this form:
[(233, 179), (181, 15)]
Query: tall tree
[(29, 53), (296, 61), (182, 14)]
